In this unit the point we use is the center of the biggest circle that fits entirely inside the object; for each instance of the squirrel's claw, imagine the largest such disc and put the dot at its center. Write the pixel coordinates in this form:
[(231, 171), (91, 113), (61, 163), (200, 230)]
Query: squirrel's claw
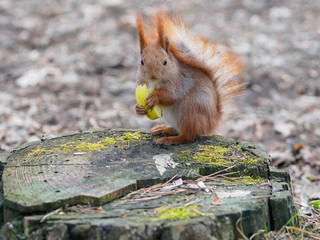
[(140, 110), (151, 101)]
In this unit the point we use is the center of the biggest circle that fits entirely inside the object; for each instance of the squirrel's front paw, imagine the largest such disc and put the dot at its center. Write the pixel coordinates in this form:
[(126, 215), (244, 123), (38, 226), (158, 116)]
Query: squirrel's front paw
[(140, 110), (161, 129), (151, 101)]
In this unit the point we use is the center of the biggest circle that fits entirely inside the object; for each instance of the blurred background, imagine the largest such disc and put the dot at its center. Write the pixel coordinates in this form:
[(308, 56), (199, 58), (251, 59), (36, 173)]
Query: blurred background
[(70, 65)]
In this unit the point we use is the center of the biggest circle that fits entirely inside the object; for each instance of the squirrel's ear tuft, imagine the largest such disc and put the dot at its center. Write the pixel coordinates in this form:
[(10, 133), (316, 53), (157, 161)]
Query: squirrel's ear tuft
[(142, 37), (166, 43), (160, 28)]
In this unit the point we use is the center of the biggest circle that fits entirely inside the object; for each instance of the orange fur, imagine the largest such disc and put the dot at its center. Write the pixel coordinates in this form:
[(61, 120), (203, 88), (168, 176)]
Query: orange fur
[(160, 29), (142, 37), (194, 79), (191, 62)]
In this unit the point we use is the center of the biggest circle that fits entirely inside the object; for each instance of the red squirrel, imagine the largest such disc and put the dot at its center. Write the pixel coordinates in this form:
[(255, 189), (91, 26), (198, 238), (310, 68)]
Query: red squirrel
[(194, 80)]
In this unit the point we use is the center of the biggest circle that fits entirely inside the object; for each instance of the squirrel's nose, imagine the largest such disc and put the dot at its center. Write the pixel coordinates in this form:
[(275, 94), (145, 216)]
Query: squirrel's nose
[(153, 77)]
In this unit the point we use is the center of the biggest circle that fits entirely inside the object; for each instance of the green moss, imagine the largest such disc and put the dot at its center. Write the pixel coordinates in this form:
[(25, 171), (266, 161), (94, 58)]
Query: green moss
[(182, 213), (252, 160), (244, 180), (146, 138), (129, 137), (186, 152), (216, 149), (215, 155), (108, 141), (90, 144), (126, 138), (89, 147), (208, 158), (38, 152), (82, 146), (135, 135)]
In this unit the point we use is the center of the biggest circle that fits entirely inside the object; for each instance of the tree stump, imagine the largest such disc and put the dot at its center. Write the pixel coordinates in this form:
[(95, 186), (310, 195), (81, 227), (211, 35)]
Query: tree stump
[(113, 184)]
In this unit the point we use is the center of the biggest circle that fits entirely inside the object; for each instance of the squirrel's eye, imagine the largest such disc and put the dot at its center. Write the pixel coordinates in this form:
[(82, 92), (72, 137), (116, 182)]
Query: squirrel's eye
[(165, 62), (142, 63)]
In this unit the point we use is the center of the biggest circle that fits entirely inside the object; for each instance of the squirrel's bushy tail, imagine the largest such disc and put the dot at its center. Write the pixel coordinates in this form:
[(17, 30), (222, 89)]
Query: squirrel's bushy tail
[(214, 59)]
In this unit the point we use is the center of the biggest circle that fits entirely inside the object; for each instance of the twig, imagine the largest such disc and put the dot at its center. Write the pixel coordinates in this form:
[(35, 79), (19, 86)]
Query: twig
[(226, 174), (143, 199), (257, 233), (198, 212), (193, 202), (304, 231), (221, 175), (172, 192), (50, 214), (158, 185), (169, 180), (215, 173), (239, 227), (152, 190)]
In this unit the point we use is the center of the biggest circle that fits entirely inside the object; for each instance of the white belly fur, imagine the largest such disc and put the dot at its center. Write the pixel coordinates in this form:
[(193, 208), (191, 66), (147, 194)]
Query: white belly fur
[(167, 112)]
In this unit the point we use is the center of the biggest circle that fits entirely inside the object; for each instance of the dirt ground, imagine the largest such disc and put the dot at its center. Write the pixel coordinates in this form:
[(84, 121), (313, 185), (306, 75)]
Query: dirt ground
[(71, 65)]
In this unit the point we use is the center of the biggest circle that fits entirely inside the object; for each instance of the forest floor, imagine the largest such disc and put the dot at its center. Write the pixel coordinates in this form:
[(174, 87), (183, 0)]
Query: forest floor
[(72, 65)]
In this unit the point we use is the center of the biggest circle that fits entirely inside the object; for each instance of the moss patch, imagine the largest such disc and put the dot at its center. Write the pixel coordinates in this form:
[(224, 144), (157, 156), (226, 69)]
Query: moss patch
[(215, 149), (244, 180), (218, 155), (89, 144), (38, 151), (252, 160), (210, 154), (131, 136), (79, 146), (108, 141), (182, 213)]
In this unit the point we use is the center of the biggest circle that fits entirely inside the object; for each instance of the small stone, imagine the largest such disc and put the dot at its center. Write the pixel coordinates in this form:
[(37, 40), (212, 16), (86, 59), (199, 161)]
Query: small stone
[(31, 78), (284, 128)]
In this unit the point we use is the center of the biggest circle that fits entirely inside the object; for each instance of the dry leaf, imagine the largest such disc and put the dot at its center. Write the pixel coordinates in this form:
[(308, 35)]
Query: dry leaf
[(216, 201)]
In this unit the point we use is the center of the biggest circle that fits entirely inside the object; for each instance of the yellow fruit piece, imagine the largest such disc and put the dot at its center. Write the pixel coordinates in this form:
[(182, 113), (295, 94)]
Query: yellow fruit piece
[(142, 93)]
